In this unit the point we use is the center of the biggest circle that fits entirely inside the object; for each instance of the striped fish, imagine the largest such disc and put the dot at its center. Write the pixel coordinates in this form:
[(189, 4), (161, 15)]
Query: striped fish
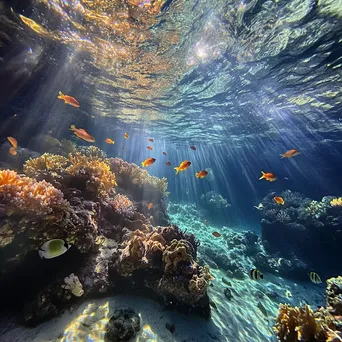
[(255, 274), (315, 278)]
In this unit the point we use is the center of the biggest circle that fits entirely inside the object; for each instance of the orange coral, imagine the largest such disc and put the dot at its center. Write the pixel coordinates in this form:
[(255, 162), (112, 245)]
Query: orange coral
[(26, 195)]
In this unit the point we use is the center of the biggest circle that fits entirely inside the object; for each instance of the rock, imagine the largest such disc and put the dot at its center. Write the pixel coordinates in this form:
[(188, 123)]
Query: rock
[(228, 293), (171, 327), (123, 325)]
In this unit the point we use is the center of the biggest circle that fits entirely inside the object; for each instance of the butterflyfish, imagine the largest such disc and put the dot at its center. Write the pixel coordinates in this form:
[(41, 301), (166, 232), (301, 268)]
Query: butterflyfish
[(53, 248)]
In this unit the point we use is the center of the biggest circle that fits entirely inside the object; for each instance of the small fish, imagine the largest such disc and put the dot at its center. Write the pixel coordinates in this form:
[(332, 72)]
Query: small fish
[(269, 176), (150, 205), (260, 206), (126, 135), (151, 140), (12, 151), (168, 163), (315, 278), (216, 234), (53, 248), (201, 174), (288, 294), (68, 100), (150, 148), (13, 142), (278, 200), (286, 178), (290, 154), (110, 141), (187, 191), (164, 153), (82, 134), (255, 274), (193, 148), (148, 162), (182, 166)]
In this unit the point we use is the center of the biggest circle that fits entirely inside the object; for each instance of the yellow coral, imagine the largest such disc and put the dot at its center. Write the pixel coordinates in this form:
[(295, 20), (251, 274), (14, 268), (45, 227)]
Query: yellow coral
[(336, 202), (47, 162), (198, 286), (101, 179)]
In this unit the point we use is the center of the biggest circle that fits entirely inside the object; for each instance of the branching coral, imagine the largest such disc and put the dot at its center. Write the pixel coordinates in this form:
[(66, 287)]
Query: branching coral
[(93, 153), (95, 172), (123, 206), (215, 199), (334, 295), (283, 216), (46, 163), (336, 202), (22, 195)]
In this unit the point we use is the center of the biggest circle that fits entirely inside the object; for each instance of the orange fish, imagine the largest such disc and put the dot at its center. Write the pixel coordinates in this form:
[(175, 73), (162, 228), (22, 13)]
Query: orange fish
[(150, 206), (126, 135), (110, 141), (193, 148), (164, 153), (168, 163), (290, 154), (269, 176), (12, 151), (183, 166), (201, 174), (151, 140), (216, 234), (278, 200), (82, 134), (150, 148), (148, 162), (68, 100), (13, 142)]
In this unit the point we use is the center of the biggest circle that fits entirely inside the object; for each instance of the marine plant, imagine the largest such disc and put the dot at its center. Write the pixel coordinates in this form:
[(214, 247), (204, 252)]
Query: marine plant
[(122, 205), (24, 195)]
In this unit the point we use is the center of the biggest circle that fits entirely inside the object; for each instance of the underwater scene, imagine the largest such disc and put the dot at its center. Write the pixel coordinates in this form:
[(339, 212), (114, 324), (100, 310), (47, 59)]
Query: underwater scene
[(170, 170)]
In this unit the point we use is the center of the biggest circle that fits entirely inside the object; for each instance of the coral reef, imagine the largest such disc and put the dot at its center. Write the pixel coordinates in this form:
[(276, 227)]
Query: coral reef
[(123, 325), (215, 200), (73, 284), (122, 206), (295, 324)]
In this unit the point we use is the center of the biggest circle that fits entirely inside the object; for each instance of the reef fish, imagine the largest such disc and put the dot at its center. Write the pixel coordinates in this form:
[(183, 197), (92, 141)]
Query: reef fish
[(126, 135), (150, 148), (168, 163), (278, 200), (255, 274), (13, 142), (201, 174), (53, 248), (216, 234), (260, 206), (182, 166), (82, 134), (150, 206), (315, 278), (164, 153), (193, 148), (110, 141), (68, 100), (151, 140), (290, 154), (269, 176), (12, 151), (148, 162)]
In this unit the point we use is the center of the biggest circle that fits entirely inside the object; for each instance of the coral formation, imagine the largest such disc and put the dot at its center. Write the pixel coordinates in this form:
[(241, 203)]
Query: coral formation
[(123, 206), (214, 199), (73, 284), (336, 202)]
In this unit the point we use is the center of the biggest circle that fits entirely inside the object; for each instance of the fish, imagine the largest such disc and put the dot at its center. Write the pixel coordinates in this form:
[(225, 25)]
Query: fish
[(164, 153), (216, 234), (148, 162), (110, 141), (269, 176), (13, 142), (168, 163), (182, 166), (278, 200), (315, 278), (290, 154), (288, 294), (12, 151), (126, 135), (255, 274), (286, 178), (201, 174), (53, 248), (187, 191), (82, 134), (150, 148), (193, 148), (68, 100), (150, 205), (151, 140), (260, 206)]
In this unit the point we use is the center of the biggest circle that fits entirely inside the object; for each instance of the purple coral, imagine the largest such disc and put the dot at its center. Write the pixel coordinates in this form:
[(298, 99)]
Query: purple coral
[(123, 206)]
